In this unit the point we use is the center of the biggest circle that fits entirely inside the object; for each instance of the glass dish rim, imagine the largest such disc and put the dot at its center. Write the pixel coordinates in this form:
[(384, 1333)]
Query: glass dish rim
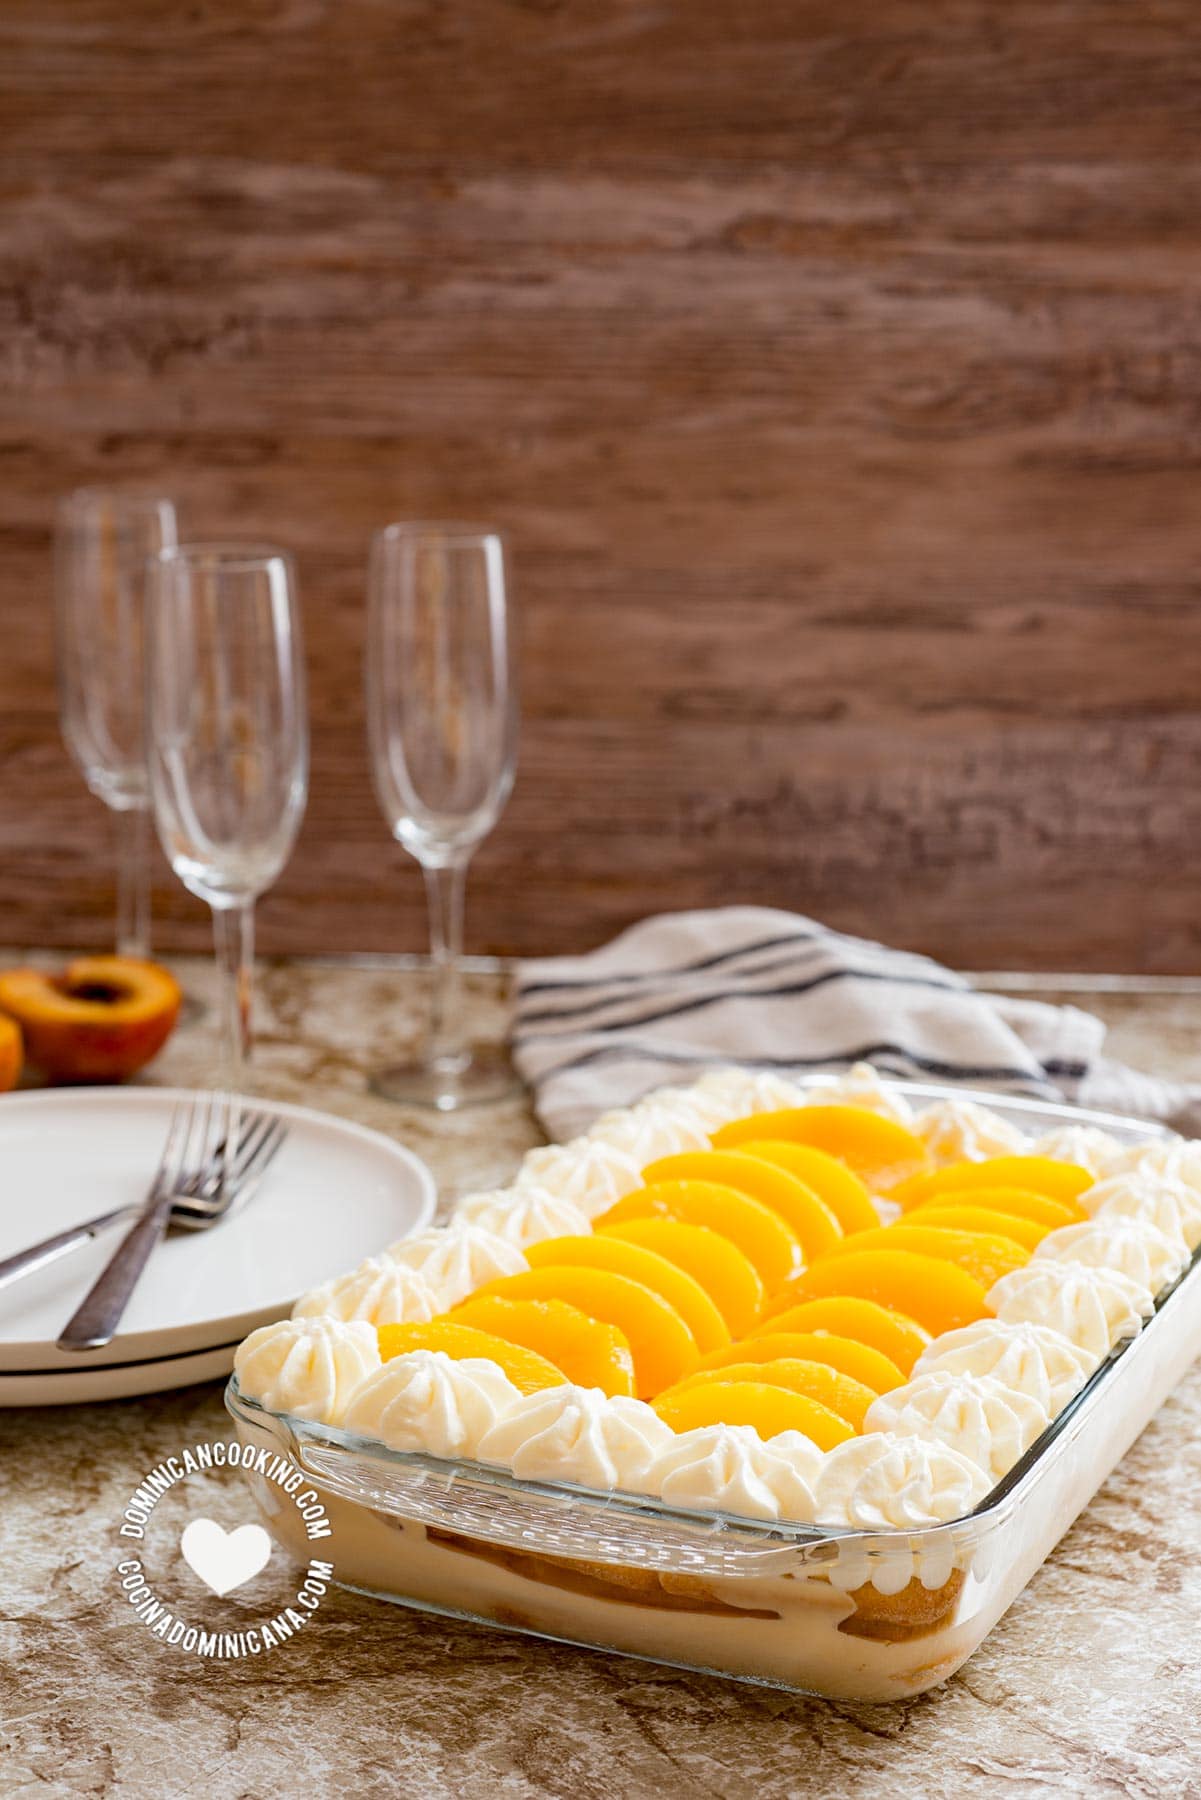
[(1003, 1497)]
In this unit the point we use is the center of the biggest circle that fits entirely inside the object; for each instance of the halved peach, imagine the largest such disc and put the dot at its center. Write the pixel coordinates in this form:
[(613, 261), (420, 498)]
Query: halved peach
[(768, 1410), (984, 1257), (815, 1225), (939, 1295), (599, 1251), (833, 1183), (663, 1348), (848, 1355), (10, 1054), (589, 1352), (527, 1371), (727, 1275), (895, 1336), (881, 1152), (102, 1019), (848, 1398), (760, 1233), (1036, 1174)]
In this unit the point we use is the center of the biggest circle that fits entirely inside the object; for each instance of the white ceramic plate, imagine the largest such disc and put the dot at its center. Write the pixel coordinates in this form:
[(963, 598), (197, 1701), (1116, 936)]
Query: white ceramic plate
[(334, 1194)]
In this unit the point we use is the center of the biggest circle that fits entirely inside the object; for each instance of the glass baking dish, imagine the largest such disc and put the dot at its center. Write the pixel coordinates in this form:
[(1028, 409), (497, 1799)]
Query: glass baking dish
[(850, 1615)]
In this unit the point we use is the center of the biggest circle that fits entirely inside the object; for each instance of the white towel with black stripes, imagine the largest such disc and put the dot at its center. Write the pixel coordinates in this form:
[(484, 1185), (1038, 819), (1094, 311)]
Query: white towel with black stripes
[(684, 992)]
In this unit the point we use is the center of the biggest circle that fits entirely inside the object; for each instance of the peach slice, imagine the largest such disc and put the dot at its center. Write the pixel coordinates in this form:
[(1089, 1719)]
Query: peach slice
[(900, 1339), (962, 1216), (100, 1020), (984, 1257), (848, 1398), (525, 1368), (640, 1264), (815, 1225), (881, 1152), (663, 1348), (1011, 1203), (589, 1352), (831, 1180), (768, 1410), (1036, 1174), (10, 1054), (760, 1233), (939, 1295), (728, 1277), (847, 1355)]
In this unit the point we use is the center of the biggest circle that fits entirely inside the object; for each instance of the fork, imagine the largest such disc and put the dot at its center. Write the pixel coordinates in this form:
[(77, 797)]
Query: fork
[(189, 1213), (197, 1175)]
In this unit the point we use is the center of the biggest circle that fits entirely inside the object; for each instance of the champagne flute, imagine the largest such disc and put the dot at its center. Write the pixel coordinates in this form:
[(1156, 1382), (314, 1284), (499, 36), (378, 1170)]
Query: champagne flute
[(442, 720), (228, 744), (102, 541)]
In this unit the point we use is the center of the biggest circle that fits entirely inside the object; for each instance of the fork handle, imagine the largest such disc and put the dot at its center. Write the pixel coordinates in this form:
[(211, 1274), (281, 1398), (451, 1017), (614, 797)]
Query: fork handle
[(94, 1322), (48, 1250)]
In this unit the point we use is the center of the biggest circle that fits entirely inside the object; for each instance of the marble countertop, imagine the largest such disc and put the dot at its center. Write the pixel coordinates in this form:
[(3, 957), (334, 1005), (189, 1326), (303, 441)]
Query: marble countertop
[(1091, 1685)]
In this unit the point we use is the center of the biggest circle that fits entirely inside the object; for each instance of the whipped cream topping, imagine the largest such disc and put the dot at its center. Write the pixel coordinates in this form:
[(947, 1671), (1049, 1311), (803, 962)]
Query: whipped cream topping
[(426, 1400), (581, 1435), (884, 1482), (456, 1259), (1093, 1307), (965, 1131), (729, 1468), (381, 1291), (1158, 1200), (650, 1130), (307, 1367), (1033, 1359), (976, 1415), (523, 1215), (1128, 1245), (740, 1092), (862, 1086), (591, 1174), (693, 1104), (1085, 1145), (1174, 1159)]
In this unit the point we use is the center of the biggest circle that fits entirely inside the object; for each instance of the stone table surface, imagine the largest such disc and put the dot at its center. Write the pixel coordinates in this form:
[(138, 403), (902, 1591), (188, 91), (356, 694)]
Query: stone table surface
[(1091, 1685)]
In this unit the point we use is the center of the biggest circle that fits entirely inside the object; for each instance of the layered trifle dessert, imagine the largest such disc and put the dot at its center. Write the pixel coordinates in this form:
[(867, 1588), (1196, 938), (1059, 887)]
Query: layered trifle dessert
[(795, 1335)]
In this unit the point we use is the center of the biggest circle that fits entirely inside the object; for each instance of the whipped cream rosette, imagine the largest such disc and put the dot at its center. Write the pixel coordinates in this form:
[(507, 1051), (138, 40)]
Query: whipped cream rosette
[(578, 1434), (1095, 1308), (1160, 1200), (455, 1259), (740, 1092), (591, 1174), (862, 1086), (964, 1131), (891, 1482), (1033, 1359), (307, 1367), (649, 1131), (1085, 1145), (426, 1400), (975, 1415), (1127, 1246), (522, 1215), (1178, 1159), (729, 1468), (381, 1291)]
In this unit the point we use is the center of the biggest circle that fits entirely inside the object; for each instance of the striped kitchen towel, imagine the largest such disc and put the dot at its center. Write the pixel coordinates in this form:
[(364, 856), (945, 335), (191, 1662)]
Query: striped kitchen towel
[(683, 992)]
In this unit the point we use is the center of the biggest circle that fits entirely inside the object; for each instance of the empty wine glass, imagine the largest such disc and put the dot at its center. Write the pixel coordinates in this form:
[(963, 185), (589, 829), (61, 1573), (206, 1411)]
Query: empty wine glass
[(228, 743), (442, 718), (102, 541)]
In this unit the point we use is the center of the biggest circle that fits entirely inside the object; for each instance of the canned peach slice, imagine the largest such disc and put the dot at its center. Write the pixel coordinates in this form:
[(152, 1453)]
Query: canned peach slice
[(798, 1205), (599, 1251), (850, 1357), (1035, 1174), (835, 1185), (769, 1410), (589, 1352), (760, 1233), (727, 1275), (525, 1368), (896, 1337), (881, 1152), (983, 1256), (939, 1295), (843, 1395)]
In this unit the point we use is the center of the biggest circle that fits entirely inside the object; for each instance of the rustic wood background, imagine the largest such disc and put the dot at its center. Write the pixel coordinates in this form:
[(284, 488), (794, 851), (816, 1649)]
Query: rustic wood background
[(836, 370)]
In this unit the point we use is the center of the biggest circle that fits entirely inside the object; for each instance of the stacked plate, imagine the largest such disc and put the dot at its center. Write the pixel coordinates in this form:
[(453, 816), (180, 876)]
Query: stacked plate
[(334, 1194)]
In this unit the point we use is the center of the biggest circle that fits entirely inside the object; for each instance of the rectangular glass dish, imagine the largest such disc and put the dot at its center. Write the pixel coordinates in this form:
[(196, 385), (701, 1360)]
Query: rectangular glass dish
[(851, 1615)]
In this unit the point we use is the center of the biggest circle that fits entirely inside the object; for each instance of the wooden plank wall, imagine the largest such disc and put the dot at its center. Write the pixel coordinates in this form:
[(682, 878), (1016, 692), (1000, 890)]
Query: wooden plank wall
[(835, 368)]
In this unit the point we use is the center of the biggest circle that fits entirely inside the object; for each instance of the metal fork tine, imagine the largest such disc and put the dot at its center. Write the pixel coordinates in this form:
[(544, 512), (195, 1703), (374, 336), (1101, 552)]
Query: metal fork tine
[(256, 1166)]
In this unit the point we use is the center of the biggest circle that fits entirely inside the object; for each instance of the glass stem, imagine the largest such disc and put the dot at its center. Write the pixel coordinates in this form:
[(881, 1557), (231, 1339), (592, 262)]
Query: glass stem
[(133, 883), (233, 935), (445, 1050)]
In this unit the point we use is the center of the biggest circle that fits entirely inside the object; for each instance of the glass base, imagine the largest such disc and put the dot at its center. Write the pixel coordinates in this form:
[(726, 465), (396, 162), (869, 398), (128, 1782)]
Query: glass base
[(481, 1077)]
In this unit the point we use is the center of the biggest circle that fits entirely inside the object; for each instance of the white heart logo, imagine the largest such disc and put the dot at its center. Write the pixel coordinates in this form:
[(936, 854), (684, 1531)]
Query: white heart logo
[(225, 1560)]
